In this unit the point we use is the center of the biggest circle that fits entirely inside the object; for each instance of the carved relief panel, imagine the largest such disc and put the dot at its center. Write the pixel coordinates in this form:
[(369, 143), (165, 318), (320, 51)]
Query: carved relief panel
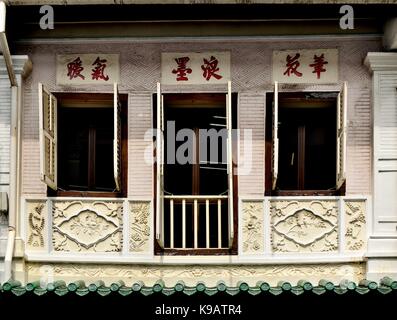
[(252, 227), (355, 225), (304, 226), (37, 220), (87, 226), (140, 226)]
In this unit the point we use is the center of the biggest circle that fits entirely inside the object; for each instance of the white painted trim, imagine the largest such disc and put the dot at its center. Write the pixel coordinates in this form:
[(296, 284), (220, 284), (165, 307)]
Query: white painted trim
[(197, 260), (23, 214), (267, 228), (251, 198), (50, 244), (125, 227), (84, 199), (240, 227), (216, 39), (138, 198), (381, 61), (341, 226)]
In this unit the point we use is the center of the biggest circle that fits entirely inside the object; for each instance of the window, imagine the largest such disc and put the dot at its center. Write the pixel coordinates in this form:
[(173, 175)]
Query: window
[(306, 141), (83, 140), (194, 173)]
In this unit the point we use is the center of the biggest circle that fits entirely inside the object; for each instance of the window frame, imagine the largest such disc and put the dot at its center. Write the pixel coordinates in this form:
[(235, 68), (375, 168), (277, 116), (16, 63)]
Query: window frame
[(92, 98), (193, 97), (269, 181)]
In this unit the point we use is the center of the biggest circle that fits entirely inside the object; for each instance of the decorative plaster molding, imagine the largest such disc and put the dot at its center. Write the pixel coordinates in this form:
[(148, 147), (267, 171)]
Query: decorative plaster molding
[(355, 226), (304, 226), (36, 225), (381, 61), (139, 226), (94, 226), (21, 64), (253, 231), (192, 274)]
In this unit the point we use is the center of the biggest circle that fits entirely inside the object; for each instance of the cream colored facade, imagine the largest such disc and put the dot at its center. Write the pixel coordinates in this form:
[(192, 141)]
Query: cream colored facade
[(82, 238), (120, 242)]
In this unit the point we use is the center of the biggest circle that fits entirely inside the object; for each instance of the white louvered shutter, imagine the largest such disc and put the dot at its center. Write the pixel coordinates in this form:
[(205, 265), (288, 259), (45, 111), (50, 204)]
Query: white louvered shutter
[(230, 161), (160, 168), (275, 138), (117, 138), (48, 137), (341, 137)]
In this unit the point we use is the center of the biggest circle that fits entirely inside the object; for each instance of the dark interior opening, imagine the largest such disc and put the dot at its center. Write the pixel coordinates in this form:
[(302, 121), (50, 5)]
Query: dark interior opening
[(201, 176), (85, 148), (307, 142)]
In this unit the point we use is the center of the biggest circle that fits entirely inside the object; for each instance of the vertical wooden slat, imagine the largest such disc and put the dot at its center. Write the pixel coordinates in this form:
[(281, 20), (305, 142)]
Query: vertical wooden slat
[(184, 223), (219, 224), (195, 224), (207, 223), (172, 235)]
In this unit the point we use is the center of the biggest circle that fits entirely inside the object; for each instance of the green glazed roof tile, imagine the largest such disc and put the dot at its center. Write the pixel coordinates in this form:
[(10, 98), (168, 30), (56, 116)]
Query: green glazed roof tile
[(104, 291), (339, 290), (179, 286), (297, 290), (276, 290), (384, 289), (146, 291), (40, 291), (82, 292), (362, 290), (234, 290), (264, 286), (168, 291), (189, 291), (61, 291), (125, 291), (136, 287), (254, 291), (211, 291), (318, 290), (200, 287), (18, 291), (79, 288)]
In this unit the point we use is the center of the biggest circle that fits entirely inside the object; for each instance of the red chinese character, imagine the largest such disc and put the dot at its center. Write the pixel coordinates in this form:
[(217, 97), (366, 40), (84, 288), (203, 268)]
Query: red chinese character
[(181, 71), (98, 71), (209, 68), (75, 68), (318, 65), (292, 65)]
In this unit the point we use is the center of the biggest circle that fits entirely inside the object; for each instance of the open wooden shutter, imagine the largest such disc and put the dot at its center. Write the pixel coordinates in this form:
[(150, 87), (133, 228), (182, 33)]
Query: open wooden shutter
[(160, 168), (117, 138), (230, 161), (341, 137), (275, 138), (48, 137)]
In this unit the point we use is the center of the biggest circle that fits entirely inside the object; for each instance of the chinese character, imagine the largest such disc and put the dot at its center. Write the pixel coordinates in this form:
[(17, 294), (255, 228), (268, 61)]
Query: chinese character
[(292, 66), (318, 65), (98, 71), (75, 68), (182, 70), (209, 68)]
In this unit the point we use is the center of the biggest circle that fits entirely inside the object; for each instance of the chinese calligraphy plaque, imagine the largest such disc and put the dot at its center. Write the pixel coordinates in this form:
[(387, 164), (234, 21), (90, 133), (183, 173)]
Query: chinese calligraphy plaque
[(306, 66), (195, 68), (77, 69)]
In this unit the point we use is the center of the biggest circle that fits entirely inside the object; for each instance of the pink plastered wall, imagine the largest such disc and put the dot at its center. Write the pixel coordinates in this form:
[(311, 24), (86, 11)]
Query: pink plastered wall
[(251, 78)]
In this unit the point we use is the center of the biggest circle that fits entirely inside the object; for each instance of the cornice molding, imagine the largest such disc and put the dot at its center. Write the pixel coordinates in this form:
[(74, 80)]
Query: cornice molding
[(381, 61), (22, 65)]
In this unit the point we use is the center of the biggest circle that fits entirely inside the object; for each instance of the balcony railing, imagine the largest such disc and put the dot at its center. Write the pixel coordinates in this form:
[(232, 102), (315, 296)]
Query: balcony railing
[(195, 222)]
